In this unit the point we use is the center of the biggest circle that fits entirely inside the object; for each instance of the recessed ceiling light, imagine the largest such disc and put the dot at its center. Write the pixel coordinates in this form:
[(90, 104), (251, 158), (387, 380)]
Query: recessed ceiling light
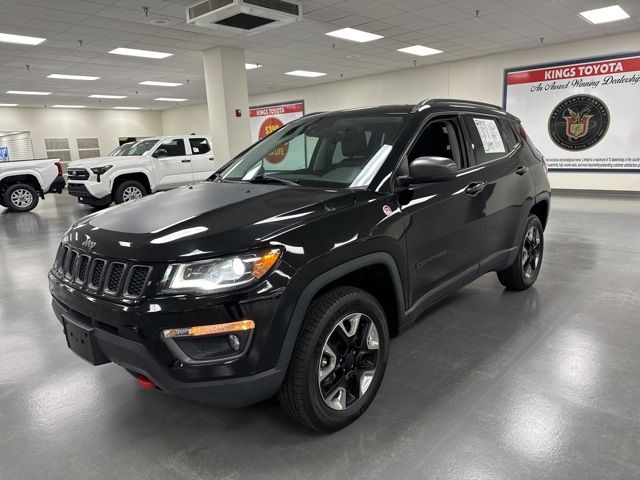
[(127, 108), (604, 15), (25, 92), (20, 39), (8, 104), (354, 35), (68, 106), (305, 73), (251, 66), (133, 52), (420, 50), (160, 84), (115, 97), (59, 76), (165, 99)]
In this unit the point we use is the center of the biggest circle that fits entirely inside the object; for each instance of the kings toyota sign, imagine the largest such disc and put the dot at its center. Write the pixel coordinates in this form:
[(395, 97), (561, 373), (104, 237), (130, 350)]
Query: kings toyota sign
[(580, 114)]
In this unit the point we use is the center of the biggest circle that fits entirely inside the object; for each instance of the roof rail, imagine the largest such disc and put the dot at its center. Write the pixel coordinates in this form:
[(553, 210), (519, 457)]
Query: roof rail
[(432, 101)]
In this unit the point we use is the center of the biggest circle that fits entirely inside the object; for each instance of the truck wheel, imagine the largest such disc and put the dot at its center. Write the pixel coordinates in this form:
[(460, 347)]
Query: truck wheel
[(20, 197), (524, 271), (339, 361), (128, 191)]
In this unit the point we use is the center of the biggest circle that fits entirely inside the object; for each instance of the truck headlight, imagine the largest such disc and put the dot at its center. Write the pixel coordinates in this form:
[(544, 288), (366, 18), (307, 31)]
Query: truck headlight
[(219, 274), (101, 170)]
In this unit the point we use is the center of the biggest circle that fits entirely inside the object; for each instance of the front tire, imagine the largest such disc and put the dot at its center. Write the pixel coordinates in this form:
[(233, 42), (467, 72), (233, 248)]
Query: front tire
[(339, 361), (20, 197), (524, 271), (128, 191)]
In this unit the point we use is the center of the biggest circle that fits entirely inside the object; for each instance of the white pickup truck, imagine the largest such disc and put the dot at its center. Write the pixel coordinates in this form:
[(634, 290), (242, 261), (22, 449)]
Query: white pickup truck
[(24, 182), (145, 167)]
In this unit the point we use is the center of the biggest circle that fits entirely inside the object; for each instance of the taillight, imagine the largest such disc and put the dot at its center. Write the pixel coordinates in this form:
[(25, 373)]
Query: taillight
[(523, 133), (59, 165), (546, 167)]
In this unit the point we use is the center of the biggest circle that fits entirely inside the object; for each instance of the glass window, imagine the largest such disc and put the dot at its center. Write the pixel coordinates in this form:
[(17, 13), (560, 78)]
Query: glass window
[(174, 147), (199, 145), (487, 140), (508, 134), (440, 138), (331, 151), (139, 148)]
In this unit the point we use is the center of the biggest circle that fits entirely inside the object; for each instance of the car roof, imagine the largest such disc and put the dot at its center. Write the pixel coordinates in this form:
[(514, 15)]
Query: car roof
[(437, 104)]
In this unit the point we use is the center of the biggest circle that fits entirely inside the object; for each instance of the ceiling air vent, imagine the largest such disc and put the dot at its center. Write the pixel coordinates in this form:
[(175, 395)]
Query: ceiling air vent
[(243, 16)]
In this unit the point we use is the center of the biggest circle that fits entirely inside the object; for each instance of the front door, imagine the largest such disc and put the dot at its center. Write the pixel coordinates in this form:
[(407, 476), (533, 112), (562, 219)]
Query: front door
[(444, 221), (173, 166)]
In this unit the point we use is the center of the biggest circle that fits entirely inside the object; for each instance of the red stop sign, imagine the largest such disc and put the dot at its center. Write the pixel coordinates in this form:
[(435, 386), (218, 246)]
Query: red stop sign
[(269, 126)]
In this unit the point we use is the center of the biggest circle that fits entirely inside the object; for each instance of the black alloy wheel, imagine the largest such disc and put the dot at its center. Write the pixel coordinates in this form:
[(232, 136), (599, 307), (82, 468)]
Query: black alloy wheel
[(524, 271)]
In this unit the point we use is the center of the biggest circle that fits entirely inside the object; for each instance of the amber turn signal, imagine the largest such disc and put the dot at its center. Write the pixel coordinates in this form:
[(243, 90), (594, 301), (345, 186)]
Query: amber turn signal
[(263, 264), (216, 329)]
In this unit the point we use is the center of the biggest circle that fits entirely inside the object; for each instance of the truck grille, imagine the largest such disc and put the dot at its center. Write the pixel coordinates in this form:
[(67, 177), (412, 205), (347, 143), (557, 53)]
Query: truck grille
[(112, 278), (78, 174)]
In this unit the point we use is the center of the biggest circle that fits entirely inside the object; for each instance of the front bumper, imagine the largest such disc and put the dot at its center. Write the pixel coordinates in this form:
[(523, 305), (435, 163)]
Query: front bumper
[(129, 335), (85, 196)]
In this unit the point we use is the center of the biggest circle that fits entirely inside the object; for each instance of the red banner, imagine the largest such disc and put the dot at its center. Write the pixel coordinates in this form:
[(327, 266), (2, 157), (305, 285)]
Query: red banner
[(276, 110), (608, 67)]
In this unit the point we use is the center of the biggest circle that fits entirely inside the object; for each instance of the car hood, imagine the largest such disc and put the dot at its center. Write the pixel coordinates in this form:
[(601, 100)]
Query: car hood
[(201, 220), (98, 162)]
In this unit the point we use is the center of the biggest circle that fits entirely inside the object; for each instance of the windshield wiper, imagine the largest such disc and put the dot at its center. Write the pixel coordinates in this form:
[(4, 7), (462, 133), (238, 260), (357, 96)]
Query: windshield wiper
[(262, 178)]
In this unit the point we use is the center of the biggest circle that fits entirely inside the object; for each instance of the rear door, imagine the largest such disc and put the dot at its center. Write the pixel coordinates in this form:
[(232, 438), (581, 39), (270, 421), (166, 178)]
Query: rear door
[(510, 186), (444, 221), (174, 169), (201, 158)]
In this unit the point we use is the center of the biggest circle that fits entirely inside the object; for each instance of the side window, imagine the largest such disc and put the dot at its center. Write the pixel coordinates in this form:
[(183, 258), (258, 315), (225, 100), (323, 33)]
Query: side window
[(199, 146), (508, 134), (440, 138), (173, 147), (488, 143)]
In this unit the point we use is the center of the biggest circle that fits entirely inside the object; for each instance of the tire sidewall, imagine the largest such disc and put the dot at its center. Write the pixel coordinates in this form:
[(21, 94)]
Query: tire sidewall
[(119, 191), (14, 208), (360, 302), (531, 222)]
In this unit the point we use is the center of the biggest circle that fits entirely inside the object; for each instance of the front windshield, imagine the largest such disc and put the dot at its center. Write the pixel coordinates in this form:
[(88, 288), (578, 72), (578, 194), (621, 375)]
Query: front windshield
[(139, 148), (333, 151), (118, 151)]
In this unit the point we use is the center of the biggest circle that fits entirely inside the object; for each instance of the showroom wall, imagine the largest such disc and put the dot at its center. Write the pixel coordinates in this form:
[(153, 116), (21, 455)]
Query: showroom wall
[(71, 124), (479, 78)]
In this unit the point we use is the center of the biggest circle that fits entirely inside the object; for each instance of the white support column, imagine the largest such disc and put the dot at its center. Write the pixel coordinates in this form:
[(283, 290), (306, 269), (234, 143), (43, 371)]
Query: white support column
[(226, 84)]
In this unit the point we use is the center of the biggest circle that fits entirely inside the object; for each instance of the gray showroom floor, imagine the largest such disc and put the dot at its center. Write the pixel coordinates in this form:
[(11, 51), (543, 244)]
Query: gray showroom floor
[(543, 384)]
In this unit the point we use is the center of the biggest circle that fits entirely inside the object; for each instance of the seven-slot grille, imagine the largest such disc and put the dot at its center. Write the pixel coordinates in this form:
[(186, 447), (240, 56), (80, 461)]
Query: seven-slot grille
[(100, 275), (78, 174)]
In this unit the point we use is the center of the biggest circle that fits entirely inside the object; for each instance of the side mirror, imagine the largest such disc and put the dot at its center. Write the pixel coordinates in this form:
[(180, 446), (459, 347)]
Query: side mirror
[(161, 152), (430, 169)]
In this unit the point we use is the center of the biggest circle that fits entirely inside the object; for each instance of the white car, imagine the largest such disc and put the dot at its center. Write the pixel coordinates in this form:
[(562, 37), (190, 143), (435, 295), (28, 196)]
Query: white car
[(24, 182), (145, 167)]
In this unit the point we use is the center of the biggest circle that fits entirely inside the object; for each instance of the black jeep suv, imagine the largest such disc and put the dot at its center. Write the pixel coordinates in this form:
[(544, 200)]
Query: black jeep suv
[(289, 269)]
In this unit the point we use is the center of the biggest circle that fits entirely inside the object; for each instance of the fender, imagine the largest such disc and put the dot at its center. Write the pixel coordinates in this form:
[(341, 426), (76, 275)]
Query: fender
[(297, 318), (25, 173), (142, 170)]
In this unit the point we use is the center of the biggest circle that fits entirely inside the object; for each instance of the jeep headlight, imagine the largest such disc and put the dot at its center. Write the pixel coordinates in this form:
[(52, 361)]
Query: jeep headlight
[(219, 274)]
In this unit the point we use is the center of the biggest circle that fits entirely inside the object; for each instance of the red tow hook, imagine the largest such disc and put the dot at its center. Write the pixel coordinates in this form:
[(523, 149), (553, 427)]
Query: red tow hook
[(145, 383)]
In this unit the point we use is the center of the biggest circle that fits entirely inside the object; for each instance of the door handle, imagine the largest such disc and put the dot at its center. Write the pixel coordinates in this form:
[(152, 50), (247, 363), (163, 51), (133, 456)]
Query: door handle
[(474, 188), (521, 170), (211, 158), (186, 160)]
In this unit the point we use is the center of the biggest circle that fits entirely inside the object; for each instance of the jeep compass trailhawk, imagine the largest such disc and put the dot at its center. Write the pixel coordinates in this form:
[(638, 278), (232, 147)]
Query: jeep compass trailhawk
[(288, 270)]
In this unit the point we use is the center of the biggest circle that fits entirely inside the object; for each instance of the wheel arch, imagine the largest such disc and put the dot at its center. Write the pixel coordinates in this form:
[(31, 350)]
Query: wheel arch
[(368, 268), (541, 209), (141, 177), (26, 178)]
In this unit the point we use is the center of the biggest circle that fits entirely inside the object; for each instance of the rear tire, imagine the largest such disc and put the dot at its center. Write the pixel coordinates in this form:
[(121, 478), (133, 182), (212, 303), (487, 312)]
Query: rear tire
[(524, 271), (339, 361), (128, 191), (20, 197)]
